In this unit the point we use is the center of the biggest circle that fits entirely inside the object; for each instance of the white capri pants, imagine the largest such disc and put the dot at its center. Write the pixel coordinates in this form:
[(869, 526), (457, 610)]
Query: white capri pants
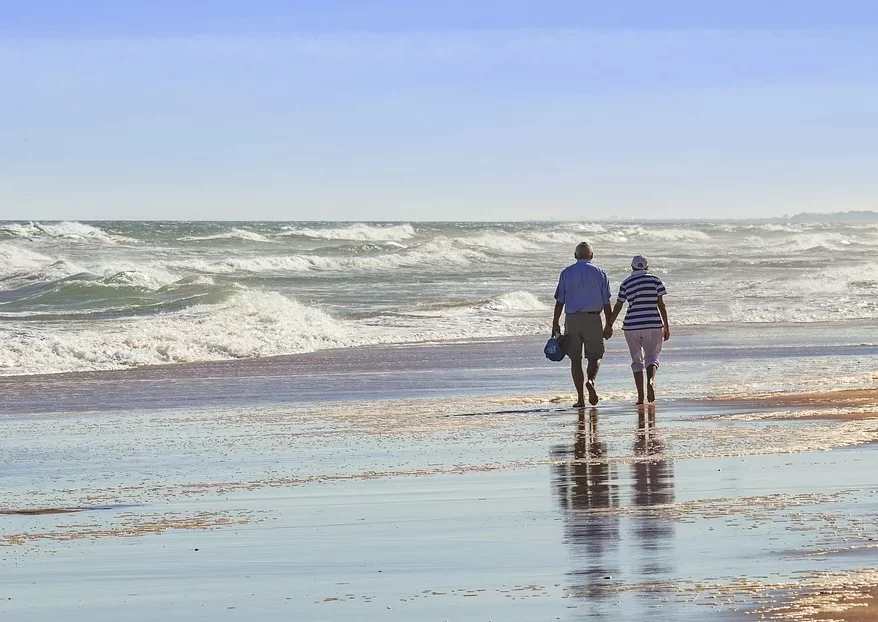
[(645, 345)]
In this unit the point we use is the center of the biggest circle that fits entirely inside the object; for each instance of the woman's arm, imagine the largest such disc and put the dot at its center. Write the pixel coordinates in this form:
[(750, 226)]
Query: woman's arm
[(664, 313), (616, 310)]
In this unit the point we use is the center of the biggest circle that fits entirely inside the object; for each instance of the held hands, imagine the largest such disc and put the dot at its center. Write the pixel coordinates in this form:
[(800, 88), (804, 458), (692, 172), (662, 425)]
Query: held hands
[(608, 331)]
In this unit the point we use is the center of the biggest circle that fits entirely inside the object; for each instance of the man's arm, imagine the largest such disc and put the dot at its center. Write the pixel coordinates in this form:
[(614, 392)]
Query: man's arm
[(608, 311), (664, 313), (556, 320), (609, 317)]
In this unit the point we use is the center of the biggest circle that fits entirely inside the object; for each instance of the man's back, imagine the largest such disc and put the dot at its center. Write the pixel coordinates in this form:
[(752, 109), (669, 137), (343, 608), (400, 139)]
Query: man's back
[(583, 287), (583, 291)]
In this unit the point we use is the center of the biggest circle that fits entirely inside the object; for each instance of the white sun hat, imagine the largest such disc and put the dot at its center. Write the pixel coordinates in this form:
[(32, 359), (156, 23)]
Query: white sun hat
[(639, 262)]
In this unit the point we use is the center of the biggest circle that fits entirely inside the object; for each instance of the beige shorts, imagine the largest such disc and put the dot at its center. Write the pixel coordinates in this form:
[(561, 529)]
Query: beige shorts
[(583, 331)]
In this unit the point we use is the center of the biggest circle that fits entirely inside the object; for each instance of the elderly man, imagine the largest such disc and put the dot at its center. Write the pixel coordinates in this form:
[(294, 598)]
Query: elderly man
[(583, 291)]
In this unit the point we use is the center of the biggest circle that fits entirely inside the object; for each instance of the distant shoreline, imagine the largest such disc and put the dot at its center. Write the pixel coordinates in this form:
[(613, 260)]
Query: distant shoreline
[(849, 217)]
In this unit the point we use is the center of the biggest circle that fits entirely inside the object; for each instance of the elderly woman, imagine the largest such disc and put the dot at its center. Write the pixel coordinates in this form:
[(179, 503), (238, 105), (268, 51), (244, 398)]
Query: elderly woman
[(645, 324)]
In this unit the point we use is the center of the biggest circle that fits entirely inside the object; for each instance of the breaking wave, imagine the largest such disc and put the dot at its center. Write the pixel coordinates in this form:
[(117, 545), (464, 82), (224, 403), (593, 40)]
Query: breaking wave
[(63, 231), (359, 232), (234, 234), (84, 296)]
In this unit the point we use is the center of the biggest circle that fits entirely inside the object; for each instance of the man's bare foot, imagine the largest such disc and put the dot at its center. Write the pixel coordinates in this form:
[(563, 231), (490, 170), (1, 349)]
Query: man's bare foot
[(592, 394), (579, 404), (650, 391)]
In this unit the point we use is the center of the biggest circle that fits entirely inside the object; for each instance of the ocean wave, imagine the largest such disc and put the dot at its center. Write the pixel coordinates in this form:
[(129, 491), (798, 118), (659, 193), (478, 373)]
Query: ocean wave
[(250, 325), (854, 280), (67, 230), (86, 295), (553, 237), (440, 252), (360, 249), (439, 281), (748, 313), (802, 242), (515, 301), (359, 232), (588, 227), (15, 260), (498, 242), (664, 234), (233, 234), (21, 267)]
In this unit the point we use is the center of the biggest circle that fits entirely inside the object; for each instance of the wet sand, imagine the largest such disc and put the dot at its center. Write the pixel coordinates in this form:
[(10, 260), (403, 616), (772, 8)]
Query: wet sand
[(441, 503), (850, 605), (841, 398), (858, 607)]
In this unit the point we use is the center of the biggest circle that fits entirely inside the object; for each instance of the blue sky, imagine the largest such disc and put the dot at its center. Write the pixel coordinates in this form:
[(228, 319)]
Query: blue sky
[(437, 110)]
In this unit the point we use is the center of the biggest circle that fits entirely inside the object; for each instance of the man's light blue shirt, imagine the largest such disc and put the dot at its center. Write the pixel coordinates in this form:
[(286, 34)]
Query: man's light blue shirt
[(583, 287)]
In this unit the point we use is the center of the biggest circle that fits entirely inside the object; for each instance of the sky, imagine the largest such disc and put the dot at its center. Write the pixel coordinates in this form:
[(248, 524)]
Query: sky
[(437, 110)]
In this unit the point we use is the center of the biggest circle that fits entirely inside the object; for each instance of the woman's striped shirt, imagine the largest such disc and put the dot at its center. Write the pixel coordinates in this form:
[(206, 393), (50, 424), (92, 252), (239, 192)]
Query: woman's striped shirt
[(641, 290)]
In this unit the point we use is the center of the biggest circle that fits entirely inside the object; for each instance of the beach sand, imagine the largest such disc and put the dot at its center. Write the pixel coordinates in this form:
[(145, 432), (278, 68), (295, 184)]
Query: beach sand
[(846, 605), (864, 398), (442, 483)]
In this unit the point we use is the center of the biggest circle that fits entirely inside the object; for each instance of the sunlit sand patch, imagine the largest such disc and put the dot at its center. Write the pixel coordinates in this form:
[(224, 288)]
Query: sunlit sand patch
[(810, 596), (831, 413), (708, 438), (864, 397), (832, 605), (840, 596), (133, 525)]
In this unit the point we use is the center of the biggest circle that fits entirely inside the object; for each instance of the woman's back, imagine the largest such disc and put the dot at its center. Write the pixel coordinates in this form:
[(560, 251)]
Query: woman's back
[(641, 290)]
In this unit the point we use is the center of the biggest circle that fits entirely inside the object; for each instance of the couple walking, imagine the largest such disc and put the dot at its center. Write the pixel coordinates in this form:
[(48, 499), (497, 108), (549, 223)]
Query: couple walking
[(584, 292)]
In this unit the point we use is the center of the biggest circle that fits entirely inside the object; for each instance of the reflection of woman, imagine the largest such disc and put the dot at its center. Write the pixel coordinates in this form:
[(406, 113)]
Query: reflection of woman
[(645, 325)]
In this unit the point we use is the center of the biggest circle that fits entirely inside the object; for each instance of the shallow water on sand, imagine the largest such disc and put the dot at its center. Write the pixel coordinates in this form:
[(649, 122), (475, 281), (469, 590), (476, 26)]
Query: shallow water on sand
[(442, 483), (697, 361), (607, 524)]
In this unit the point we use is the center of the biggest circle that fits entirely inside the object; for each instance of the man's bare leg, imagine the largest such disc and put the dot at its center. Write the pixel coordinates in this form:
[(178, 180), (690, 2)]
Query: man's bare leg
[(651, 371), (578, 379), (638, 382), (594, 366)]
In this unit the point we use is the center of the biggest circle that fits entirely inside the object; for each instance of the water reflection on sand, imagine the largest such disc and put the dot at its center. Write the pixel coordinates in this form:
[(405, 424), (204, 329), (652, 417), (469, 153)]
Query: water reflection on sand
[(607, 548)]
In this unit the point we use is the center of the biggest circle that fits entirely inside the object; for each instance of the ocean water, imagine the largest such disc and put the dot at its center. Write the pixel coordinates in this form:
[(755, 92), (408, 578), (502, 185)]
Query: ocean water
[(106, 295)]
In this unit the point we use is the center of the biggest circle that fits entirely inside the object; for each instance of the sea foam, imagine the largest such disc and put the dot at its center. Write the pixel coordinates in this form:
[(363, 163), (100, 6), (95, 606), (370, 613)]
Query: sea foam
[(359, 232), (68, 230)]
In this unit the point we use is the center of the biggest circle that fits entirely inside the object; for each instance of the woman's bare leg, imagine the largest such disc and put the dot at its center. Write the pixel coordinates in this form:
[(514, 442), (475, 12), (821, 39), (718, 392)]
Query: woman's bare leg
[(651, 372), (638, 382)]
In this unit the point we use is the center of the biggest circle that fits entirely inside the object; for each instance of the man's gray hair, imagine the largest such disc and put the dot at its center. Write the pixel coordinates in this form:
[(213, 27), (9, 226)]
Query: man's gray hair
[(583, 250)]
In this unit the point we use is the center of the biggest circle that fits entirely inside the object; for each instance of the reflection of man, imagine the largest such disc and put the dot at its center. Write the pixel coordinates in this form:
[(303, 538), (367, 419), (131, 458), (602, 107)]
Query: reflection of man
[(583, 292), (586, 481)]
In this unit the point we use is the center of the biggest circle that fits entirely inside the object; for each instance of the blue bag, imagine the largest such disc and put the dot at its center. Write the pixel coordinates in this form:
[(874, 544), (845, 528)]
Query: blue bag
[(554, 350)]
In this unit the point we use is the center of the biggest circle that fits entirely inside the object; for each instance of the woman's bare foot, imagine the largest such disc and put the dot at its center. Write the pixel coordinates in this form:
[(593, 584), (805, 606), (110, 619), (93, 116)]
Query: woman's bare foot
[(650, 391)]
